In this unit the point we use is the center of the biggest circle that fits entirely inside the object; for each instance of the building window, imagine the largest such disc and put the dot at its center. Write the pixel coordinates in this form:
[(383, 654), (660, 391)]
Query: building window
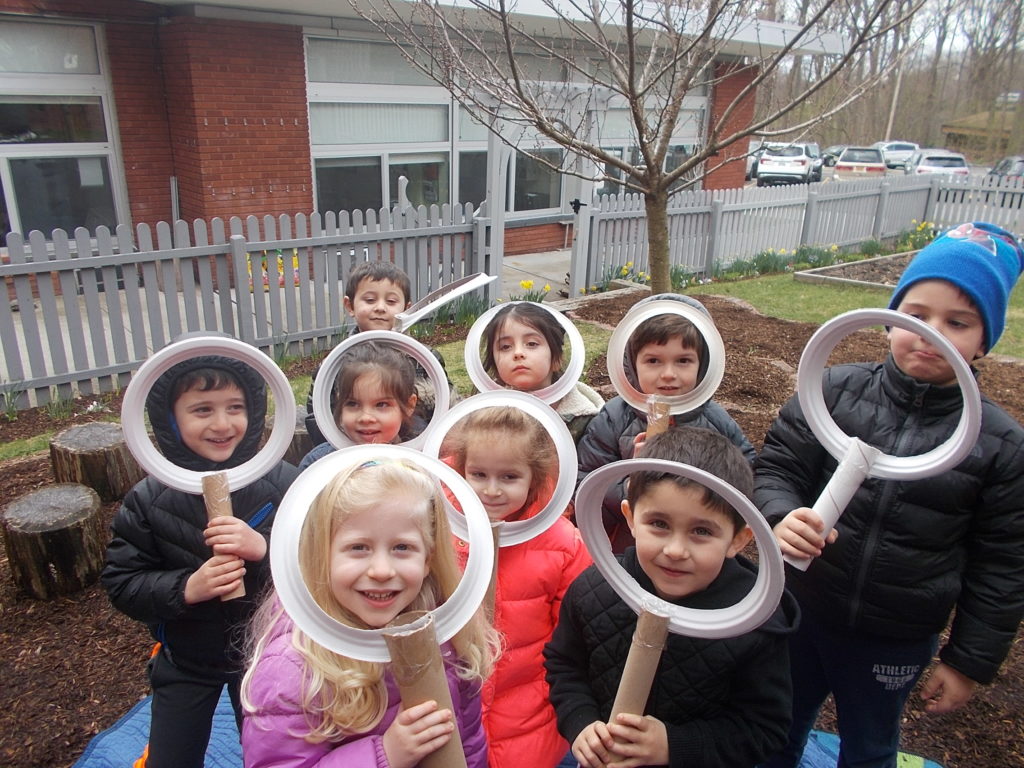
[(427, 175), (348, 184), (63, 192), (536, 185), (472, 177)]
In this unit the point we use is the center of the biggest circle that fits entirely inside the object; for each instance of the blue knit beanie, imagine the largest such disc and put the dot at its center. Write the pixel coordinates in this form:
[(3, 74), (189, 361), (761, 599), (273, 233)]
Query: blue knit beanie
[(982, 260)]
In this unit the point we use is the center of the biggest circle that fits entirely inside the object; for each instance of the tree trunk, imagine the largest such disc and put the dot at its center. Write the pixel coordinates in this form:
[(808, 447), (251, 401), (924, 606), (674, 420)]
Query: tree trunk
[(55, 540), (656, 205), (95, 455)]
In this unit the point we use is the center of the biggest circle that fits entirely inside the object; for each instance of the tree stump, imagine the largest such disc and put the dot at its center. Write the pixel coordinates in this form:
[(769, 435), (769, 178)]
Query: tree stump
[(95, 455), (301, 443), (55, 540)]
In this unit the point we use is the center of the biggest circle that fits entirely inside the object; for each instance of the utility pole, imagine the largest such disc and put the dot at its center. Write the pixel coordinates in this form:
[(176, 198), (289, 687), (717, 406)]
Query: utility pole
[(895, 99)]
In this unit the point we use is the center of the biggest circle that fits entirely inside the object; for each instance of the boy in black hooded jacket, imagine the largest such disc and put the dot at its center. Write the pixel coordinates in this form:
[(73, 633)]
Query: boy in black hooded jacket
[(168, 567)]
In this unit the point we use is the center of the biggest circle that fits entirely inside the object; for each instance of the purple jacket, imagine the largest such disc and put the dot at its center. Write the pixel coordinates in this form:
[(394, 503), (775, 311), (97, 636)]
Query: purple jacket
[(272, 734)]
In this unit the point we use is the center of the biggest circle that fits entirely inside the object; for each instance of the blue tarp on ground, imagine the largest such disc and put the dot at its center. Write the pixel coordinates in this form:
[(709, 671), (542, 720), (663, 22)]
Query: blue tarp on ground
[(123, 742)]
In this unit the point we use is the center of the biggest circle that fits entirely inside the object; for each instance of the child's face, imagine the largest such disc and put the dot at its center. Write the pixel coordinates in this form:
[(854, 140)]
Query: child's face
[(379, 560), (522, 356), (501, 477), (681, 542), (370, 415), (375, 304), (667, 369), (942, 306), (213, 422)]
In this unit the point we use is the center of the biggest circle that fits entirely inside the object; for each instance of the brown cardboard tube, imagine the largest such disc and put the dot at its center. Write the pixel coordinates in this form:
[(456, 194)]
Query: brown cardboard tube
[(641, 664), (419, 674), (492, 588), (658, 416), (217, 498)]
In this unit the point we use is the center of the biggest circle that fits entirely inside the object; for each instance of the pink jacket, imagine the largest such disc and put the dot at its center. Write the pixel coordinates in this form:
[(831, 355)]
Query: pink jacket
[(532, 579), (272, 734)]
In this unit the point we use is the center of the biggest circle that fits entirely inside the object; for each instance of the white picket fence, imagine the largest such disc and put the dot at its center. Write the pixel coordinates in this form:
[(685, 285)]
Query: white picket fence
[(84, 312), (713, 228)]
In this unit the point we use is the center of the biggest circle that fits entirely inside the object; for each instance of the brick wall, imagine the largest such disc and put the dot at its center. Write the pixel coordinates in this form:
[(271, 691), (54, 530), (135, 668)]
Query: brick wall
[(544, 237), (730, 79), (239, 131)]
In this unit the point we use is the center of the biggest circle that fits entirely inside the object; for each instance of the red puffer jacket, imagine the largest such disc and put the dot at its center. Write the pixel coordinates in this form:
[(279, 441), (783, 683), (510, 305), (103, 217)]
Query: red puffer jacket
[(532, 578)]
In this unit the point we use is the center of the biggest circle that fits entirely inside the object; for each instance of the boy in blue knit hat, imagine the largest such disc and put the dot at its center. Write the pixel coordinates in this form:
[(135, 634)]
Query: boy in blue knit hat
[(905, 554)]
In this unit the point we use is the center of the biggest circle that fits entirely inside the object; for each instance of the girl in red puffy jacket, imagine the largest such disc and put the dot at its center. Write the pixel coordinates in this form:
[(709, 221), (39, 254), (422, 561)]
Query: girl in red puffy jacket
[(510, 461)]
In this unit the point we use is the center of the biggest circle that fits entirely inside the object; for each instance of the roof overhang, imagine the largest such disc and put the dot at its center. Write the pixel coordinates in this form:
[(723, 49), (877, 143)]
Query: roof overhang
[(748, 38)]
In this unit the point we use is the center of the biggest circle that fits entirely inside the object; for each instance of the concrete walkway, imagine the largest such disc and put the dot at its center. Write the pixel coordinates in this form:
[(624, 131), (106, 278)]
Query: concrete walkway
[(546, 268)]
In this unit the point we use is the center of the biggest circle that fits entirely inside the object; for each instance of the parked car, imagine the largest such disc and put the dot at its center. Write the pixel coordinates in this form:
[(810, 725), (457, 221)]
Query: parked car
[(937, 161), (831, 154), (755, 148), (1009, 168), (859, 163), (788, 164), (896, 153)]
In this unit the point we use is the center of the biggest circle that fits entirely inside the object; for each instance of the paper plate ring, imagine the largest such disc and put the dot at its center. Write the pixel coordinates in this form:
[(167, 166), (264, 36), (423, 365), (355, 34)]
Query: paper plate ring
[(812, 401), (331, 366), (677, 404), (368, 644), (133, 408), (749, 613), (517, 531), (551, 394)]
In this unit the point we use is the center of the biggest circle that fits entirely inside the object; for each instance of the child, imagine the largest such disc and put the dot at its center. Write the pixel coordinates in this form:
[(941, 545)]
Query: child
[(374, 398), (713, 702), (167, 566), (510, 461), (905, 553), (376, 543), (524, 351), (375, 293), (666, 355)]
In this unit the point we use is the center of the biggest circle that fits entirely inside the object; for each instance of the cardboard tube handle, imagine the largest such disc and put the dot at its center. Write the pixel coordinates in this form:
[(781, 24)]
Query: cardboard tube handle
[(851, 472), (641, 663), (419, 674), (217, 498), (658, 416)]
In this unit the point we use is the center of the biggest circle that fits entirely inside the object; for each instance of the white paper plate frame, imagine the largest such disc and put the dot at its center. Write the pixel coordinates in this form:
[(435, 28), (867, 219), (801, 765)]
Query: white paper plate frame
[(368, 644), (755, 608), (677, 404), (550, 394), (331, 366), (516, 531), (812, 401), (133, 408)]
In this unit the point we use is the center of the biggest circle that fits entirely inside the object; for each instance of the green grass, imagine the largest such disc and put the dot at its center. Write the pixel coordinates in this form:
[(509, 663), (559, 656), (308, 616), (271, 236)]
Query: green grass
[(783, 297), (25, 446)]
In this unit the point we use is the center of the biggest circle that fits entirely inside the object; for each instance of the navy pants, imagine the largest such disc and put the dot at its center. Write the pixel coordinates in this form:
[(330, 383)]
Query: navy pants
[(182, 713), (869, 678)]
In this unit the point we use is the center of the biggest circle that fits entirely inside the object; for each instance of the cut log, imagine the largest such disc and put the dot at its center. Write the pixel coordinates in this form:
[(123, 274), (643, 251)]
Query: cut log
[(301, 443), (95, 455), (55, 540)]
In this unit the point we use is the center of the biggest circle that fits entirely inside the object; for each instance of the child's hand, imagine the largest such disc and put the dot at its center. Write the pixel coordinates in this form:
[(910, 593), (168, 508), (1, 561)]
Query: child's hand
[(640, 740), (799, 533), (946, 690), (593, 747), (638, 444), (417, 732), (220, 575), (231, 536)]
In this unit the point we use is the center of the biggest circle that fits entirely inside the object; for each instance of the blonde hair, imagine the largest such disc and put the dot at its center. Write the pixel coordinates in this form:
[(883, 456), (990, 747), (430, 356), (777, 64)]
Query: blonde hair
[(343, 696), (509, 426)]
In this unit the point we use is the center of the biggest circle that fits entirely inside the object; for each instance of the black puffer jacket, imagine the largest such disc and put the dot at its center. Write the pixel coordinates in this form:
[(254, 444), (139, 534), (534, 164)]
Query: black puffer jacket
[(723, 702), (158, 537), (908, 552)]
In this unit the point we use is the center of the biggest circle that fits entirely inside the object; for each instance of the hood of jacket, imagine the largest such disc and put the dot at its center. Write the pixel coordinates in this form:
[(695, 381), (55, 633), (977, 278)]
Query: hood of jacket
[(160, 410)]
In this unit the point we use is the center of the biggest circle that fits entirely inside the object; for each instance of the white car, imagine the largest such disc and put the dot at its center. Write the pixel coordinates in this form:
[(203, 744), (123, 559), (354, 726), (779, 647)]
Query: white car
[(859, 163), (896, 153), (937, 161), (789, 163)]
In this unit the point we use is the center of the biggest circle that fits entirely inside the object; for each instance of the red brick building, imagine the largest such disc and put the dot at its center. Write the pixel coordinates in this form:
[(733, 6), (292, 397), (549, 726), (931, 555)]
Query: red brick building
[(121, 111)]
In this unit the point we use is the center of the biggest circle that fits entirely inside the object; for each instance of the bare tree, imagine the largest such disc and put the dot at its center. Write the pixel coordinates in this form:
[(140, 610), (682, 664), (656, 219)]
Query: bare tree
[(549, 76)]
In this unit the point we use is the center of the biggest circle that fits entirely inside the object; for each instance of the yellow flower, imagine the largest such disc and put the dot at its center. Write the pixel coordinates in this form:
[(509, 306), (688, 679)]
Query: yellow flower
[(593, 287), (834, 248), (583, 291), (547, 287), (624, 271), (526, 285)]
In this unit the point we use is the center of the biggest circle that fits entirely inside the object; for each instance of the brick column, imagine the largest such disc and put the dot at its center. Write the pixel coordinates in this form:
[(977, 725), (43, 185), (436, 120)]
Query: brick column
[(239, 131), (730, 79)]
